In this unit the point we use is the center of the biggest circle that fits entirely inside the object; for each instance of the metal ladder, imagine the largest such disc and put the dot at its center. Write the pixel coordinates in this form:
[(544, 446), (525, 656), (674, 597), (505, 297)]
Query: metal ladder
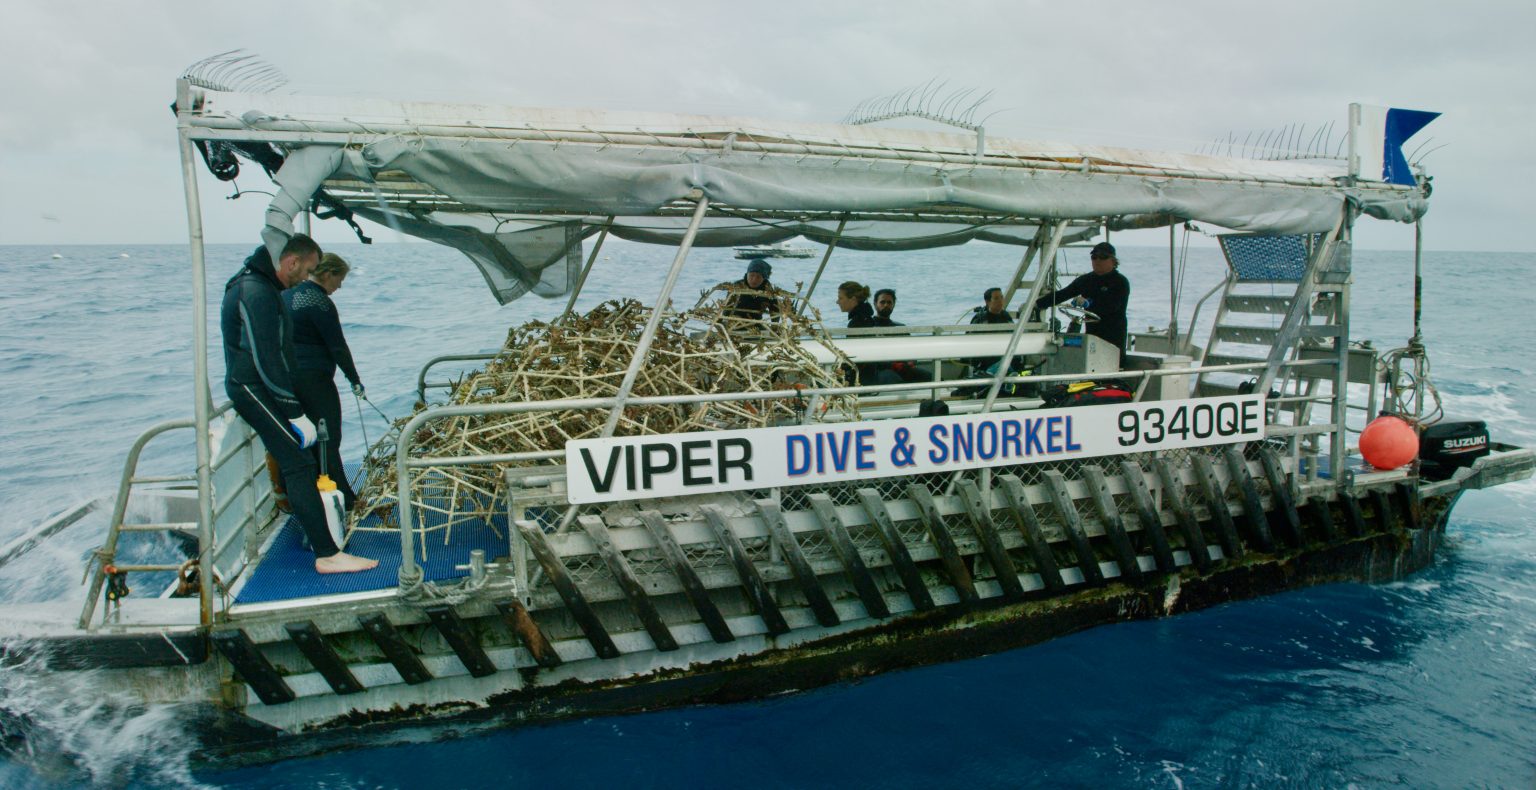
[(1280, 265), (1306, 342)]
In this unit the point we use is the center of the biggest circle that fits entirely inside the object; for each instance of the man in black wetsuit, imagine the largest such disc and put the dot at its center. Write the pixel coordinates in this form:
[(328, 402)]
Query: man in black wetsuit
[(992, 312), (1107, 292), (259, 371)]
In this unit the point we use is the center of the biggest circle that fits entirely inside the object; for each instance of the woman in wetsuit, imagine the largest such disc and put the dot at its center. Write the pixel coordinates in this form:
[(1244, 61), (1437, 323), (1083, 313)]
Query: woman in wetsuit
[(320, 348), (853, 299)]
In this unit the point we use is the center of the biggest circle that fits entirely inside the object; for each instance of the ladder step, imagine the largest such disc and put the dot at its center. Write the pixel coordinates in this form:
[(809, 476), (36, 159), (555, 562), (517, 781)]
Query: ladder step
[(1215, 389), (1254, 303), (1213, 360), (1320, 330), (1253, 335)]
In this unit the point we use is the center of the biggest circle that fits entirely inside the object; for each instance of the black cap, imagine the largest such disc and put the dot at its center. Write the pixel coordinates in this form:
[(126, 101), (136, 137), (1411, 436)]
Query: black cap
[(1103, 250), (760, 266)]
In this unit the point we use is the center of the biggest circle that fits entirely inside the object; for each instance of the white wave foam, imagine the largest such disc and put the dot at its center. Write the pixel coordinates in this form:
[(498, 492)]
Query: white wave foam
[(1495, 404), (1171, 770), (78, 729)]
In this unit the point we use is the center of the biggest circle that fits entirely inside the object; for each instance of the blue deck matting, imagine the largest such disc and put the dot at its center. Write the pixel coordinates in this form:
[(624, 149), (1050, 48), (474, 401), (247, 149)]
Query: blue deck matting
[(287, 570)]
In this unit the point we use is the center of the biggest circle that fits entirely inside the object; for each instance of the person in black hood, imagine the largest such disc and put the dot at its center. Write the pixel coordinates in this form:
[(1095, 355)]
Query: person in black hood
[(258, 377), (753, 296), (1107, 292), (320, 348), (853, 299)]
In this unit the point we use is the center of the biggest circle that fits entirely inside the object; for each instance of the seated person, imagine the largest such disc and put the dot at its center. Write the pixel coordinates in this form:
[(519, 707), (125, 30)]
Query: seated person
[(885, 304), (1107, 292), (992, 312), (853, 299), (753, 296), (891, 372)]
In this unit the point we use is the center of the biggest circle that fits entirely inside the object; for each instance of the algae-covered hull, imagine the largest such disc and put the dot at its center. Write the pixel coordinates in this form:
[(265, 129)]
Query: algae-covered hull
[(1387, 544)]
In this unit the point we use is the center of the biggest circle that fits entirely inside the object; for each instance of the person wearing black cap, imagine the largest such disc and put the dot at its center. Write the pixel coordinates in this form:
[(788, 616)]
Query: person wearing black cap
[(753, 296), (1106, 291)]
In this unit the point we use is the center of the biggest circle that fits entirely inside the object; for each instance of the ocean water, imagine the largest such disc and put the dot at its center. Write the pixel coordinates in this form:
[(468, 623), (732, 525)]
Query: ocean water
[(1428, 682)]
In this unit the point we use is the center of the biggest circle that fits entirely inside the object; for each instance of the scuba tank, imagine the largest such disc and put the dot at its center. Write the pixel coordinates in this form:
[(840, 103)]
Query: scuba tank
[(330, 498)]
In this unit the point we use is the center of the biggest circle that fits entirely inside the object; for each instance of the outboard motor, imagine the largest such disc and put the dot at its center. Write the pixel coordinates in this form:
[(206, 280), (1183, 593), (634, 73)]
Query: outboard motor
[(1447, 446)]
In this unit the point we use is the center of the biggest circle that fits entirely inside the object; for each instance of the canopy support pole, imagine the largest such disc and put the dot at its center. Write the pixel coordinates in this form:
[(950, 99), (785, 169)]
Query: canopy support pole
[(1057, 232), (827, 256), (1338, 445), (202, 405), (1418, 281), (644, 346), (646, 337), (1173, 287), (1018, 274), (581, 279)]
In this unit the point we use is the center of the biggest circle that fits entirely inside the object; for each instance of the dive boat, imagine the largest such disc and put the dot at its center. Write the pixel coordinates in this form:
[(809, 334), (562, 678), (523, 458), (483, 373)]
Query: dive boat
[(785, 528), (782, 249)]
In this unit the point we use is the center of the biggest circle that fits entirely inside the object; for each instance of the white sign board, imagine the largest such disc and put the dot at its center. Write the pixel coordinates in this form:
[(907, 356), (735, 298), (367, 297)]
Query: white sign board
[(644, 467)]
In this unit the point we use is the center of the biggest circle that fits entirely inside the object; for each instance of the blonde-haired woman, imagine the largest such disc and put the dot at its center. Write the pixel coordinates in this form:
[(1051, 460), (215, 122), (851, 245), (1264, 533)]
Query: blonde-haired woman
[(853, 299), (319, 348)]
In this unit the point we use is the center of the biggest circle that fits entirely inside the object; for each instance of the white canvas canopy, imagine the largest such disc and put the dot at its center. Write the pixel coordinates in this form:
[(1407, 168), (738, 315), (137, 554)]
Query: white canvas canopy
[(518, 189)]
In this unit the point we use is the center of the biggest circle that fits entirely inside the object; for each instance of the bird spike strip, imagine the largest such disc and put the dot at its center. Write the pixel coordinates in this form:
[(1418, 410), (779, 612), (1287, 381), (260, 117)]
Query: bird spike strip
[(705, 350)]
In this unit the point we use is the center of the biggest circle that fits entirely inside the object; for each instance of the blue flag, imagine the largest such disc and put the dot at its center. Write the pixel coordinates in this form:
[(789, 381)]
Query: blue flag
[(1400, 125)]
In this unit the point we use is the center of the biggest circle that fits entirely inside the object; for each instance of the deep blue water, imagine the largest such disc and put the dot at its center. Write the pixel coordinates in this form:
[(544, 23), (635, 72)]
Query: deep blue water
[(1430, 682)]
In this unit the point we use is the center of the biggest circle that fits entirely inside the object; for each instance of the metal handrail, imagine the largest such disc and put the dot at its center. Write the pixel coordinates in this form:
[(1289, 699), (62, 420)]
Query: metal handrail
[(103, 556), (421, 377), (1194, 320)]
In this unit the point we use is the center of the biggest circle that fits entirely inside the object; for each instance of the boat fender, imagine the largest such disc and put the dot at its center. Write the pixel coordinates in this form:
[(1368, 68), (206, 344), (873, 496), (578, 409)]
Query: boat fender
[(1389, 442), (279, 488)]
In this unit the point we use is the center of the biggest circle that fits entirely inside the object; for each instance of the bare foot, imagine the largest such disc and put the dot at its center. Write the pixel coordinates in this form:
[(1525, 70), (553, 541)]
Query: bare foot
[(342, 562)]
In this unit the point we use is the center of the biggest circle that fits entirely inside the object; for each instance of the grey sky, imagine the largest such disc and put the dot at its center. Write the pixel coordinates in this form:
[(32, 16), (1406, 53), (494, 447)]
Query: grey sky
[(87, 142)]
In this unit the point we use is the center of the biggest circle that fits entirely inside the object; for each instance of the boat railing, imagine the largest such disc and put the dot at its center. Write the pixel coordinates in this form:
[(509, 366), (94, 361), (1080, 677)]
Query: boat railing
[(239, 477), (407, 464), (422, 385), (1186, 345)]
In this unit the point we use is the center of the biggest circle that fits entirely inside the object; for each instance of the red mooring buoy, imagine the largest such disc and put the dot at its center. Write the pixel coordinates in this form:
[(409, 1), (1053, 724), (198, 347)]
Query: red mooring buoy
[(1389, 442)]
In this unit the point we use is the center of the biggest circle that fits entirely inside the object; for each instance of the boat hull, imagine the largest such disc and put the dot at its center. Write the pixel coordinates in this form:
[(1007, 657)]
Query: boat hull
[(232, 730), (941, 635)]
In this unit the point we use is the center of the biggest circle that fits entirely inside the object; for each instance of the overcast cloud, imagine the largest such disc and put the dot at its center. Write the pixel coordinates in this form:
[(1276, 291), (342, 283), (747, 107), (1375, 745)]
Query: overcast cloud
[(87, 142)]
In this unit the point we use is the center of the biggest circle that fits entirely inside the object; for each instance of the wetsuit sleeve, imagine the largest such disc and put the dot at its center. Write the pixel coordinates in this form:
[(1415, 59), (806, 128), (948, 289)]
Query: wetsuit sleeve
[(261, 320), (1075, 288), (328, 322)]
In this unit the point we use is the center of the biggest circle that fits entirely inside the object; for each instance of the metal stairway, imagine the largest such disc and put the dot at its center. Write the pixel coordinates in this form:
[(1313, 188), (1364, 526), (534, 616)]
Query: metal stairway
[(1266, 312)]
